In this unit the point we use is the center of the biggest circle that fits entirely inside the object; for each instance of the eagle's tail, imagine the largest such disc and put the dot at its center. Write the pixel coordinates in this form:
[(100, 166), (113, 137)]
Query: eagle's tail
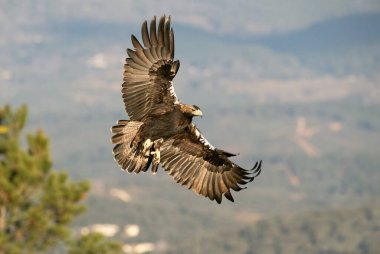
[(131, 154)]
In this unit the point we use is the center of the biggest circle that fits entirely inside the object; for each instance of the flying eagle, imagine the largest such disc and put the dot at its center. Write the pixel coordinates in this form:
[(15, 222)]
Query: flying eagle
[(160, 128)]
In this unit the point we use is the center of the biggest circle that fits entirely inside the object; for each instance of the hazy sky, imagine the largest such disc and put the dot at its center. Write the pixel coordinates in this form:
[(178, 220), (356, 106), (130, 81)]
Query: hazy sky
[(240, 16)]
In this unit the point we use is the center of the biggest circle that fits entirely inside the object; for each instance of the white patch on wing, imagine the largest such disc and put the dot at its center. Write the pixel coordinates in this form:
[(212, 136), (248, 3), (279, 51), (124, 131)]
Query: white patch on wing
[(202, 139), (172, 93)]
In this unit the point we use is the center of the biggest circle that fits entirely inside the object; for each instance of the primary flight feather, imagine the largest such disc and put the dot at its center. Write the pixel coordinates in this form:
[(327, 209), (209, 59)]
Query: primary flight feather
[(160, 128)]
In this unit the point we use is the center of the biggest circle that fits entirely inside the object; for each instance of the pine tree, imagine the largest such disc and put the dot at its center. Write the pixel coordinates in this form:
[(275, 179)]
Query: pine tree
[(37, 204), (94, 243)]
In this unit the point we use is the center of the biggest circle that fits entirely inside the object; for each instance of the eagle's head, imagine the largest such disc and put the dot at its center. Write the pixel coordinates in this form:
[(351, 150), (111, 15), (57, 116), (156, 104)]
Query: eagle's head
[(191, 110)]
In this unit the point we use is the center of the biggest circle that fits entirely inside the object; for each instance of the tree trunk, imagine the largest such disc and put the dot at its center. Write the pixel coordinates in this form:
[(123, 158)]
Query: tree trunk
[(2, 217)]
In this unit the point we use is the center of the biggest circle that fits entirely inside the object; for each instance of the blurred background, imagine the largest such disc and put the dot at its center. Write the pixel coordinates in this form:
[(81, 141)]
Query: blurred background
[(296, 84)]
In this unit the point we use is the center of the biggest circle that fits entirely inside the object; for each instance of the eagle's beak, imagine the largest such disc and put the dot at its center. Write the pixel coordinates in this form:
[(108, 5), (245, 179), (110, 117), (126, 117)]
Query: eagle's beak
[(197, 112)]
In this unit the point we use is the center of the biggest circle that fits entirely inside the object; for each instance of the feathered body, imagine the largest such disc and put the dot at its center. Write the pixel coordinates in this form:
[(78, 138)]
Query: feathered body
[(160, 129)]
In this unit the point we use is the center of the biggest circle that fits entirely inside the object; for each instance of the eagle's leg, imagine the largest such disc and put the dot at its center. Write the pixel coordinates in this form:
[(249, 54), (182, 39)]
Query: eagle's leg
[(147, 147), (156, 155)]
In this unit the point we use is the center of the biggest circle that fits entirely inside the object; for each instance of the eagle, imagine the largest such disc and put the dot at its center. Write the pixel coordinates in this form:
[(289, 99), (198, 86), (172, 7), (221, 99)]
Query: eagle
[(160, 128)]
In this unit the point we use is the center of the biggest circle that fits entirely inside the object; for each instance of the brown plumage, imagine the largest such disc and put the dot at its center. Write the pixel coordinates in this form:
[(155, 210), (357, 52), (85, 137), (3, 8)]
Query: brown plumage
[(160, 129)]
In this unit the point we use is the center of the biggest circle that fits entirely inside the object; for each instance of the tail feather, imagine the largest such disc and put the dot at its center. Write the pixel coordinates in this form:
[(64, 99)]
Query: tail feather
[(125, 150)]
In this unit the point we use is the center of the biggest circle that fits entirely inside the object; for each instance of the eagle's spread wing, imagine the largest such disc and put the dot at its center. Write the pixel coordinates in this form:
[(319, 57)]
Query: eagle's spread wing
[(193, 162), (149, 70)]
